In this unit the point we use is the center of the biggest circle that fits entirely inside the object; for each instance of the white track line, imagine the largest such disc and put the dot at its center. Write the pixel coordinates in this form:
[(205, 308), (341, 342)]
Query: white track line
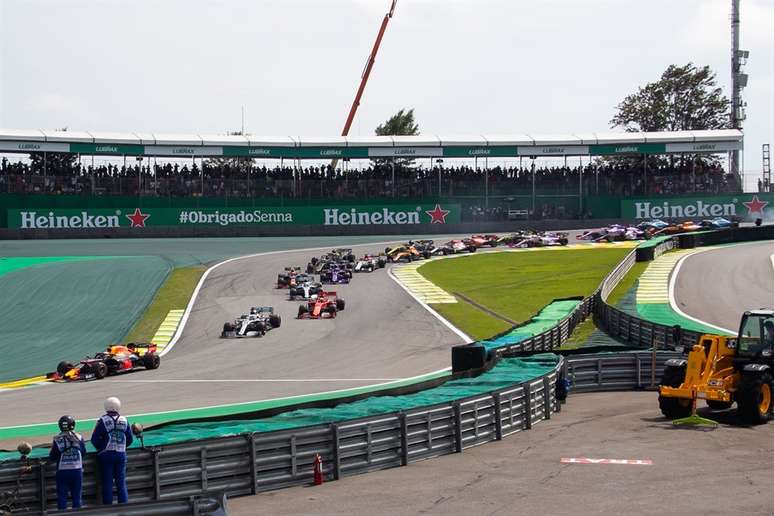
[(264, 380), (192, 301), (435, 314), (673, 301)]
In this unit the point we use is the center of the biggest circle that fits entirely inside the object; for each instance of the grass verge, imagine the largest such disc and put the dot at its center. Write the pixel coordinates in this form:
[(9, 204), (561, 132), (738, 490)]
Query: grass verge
[(516, 285), (627, 282), (173, 294)]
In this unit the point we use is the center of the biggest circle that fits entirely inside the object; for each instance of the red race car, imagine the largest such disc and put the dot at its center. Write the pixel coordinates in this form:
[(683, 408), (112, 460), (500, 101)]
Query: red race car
[(325, 306), (116, 359)]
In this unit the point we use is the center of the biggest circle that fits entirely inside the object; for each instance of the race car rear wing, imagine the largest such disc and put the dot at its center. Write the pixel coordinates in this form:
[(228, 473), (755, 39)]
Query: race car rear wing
[(141, 348)]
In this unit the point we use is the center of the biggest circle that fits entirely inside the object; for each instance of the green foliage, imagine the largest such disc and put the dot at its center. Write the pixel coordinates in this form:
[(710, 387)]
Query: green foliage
[(684, 98), (517, 285), (400, 124)]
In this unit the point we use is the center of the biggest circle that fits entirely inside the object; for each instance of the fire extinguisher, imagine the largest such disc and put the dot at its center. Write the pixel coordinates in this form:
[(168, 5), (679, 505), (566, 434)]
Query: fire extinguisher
[(318, 472)]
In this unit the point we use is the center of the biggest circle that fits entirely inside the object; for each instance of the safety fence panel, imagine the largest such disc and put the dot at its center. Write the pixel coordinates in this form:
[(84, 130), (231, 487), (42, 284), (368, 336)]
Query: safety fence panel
[(286, 458), (253, 462), (616, 372), (367, 445), (250, 463)]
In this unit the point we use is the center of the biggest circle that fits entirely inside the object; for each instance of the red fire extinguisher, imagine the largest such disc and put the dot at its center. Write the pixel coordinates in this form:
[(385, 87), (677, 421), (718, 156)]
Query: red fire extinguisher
[(318, 472)]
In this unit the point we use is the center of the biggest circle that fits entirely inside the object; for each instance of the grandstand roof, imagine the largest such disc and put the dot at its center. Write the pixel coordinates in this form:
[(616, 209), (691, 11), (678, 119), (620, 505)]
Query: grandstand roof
[(156, 144)]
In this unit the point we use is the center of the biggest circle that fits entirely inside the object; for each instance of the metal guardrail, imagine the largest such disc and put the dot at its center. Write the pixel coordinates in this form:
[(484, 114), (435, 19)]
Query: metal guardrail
[(616, 372), (253, 462)]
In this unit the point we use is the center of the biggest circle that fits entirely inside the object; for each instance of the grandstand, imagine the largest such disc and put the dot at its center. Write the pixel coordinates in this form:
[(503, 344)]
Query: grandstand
[(493, 177)]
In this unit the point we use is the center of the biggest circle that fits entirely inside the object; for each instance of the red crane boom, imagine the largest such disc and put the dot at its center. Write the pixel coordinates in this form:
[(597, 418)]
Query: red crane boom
[(367, 71)]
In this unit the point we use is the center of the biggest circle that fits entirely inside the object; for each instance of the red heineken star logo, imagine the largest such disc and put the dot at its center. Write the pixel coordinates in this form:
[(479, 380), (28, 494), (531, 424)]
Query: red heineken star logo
[(137, 218), (438, 215), (755, 206)]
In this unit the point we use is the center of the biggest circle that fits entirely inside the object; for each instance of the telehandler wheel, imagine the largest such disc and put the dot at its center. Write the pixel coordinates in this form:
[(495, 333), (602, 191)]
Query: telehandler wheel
[(754, 397), (719, 405), (674, 408)]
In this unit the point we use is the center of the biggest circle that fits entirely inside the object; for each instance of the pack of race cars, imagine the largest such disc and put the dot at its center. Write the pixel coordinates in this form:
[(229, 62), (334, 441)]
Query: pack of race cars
[(339, 266), (650, 228)]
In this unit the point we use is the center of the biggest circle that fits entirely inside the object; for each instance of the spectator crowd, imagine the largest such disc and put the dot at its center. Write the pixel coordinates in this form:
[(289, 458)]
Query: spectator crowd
[(221, 178)]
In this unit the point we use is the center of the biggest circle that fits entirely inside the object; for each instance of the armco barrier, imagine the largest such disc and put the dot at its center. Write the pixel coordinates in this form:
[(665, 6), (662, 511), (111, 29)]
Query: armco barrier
[(642, 333), (630, 329), (616, 371), (253, 462)]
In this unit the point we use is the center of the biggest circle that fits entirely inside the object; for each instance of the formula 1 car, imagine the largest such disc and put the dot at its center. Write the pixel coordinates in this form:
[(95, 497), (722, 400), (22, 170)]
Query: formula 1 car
[(114, 360), (306, 290), (484, 240), (541, 239), (423, 247), (255, 324), (613, 233), (455, 247), (404, 253), (652, 226), (335, 273), (325, 306), (719, 223), (370, 262), (289, 278), (342, 254)]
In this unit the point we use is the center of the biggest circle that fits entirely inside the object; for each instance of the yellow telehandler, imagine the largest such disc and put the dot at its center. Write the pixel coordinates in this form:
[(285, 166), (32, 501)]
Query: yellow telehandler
[(723, 370)]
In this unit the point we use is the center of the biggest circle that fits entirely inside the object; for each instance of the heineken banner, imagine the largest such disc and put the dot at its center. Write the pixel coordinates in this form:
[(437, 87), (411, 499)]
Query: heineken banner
[(744, 206), (136, 217)]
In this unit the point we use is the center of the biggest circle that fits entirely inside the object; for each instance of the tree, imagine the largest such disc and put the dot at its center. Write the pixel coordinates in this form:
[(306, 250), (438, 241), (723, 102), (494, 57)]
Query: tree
[(685, 98), (400, 124)]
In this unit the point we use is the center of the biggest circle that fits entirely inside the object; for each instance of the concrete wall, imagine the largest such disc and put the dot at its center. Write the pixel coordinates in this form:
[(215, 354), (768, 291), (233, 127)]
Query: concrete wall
[(302, 230)]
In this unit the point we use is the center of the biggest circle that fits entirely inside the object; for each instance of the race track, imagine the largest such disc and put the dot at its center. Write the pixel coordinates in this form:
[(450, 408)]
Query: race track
[(382, 334), (718, 285)]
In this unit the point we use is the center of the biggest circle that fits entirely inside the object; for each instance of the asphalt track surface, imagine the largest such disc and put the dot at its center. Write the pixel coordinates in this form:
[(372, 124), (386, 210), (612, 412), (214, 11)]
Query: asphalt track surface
[(718, 472), (718, 285), (382, 334)]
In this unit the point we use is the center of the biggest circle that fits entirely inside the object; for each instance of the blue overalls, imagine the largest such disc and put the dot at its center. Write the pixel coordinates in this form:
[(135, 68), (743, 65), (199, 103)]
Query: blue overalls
[(111, 437), (68, 450)]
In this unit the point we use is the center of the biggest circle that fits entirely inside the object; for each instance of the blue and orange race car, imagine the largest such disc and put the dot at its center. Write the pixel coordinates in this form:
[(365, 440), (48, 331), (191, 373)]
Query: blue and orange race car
[(115, 359)]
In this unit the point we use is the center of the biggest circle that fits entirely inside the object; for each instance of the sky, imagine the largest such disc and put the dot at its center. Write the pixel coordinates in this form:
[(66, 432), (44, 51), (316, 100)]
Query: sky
[(465, 66)]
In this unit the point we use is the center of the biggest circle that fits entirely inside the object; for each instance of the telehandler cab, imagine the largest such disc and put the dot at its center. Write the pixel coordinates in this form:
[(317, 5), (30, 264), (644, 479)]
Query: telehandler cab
[(723, 370)]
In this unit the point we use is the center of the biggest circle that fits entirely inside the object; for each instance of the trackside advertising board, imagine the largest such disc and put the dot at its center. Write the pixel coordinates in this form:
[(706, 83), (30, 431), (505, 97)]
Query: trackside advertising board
[(136, 217), (745, 206)]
